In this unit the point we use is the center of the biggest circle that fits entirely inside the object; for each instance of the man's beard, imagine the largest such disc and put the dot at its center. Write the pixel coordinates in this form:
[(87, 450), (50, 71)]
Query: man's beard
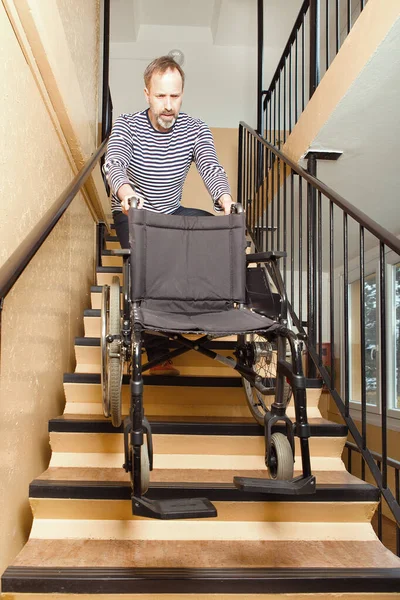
[(166, 123)]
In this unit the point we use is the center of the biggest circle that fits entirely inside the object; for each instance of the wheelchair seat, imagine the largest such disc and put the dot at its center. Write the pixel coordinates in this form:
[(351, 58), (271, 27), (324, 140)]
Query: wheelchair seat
[(189, 275)]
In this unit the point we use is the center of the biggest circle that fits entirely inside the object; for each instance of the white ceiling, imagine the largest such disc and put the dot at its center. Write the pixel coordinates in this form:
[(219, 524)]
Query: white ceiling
[(222, 22)]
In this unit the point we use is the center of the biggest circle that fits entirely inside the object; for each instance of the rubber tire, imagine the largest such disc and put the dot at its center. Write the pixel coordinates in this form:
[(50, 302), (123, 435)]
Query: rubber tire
[(104, 351), (284, 457), (145, 467), (115, 365)]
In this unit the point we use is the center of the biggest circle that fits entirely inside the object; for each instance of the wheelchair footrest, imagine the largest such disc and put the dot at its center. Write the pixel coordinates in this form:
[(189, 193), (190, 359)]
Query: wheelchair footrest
[(185, 508), (296, 487)]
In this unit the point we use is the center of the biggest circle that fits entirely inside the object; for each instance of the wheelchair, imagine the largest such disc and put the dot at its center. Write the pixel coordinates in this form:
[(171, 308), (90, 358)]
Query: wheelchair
[(191, 275)]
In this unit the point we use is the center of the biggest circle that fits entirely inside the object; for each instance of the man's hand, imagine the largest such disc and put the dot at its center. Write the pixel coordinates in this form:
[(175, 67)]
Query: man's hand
[(225, 202), (124, 193)]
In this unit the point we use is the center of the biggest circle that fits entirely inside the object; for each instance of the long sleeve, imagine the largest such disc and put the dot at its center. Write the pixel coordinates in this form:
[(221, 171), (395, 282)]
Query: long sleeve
[(212, 173), (119, 154)]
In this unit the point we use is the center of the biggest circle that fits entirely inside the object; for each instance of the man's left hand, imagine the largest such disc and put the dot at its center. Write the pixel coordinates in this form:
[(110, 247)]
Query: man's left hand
[(225, 202)]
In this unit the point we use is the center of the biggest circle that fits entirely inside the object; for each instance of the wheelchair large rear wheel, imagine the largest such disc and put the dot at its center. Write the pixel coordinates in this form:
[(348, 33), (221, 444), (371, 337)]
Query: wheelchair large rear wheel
[(112, 358), (115, 355), (261, 357)]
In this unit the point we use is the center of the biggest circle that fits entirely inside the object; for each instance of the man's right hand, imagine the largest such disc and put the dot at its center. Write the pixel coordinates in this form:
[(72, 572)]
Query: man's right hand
[(126, 192), (125, 203)]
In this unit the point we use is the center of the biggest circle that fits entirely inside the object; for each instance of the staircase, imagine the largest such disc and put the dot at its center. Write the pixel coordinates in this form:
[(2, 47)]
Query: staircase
[(84, 540)]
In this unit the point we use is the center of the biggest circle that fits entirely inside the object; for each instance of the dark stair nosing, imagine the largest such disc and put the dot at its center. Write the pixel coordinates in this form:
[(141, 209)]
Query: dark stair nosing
[(206, 581), (171, 427), (222, 492), (179, 381), (108, 269)]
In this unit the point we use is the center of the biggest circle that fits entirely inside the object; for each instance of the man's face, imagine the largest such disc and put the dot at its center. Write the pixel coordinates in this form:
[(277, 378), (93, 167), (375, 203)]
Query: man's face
[(165, 98)]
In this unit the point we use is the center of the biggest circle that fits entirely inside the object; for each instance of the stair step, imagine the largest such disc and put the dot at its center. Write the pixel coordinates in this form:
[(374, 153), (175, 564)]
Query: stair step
[(173, 426), (245, 567), (104, 275), (110, 260), (52, 487)]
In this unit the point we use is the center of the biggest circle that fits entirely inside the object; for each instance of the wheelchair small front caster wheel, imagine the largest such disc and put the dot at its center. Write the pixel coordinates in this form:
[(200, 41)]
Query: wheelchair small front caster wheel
[(144, 467), (280, 462)]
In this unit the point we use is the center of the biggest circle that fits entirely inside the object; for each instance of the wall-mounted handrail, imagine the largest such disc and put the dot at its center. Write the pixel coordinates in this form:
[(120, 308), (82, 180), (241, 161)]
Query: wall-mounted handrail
[(21, 257)]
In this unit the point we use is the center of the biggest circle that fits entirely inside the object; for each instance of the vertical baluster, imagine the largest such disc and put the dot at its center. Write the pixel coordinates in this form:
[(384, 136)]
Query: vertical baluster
[(327, 34), (362, 4), (278, 202), (263, 151), (272, 201), (284, 101), (348, 16), (296, 81), (240, 167), (397, 492), (249, 169), (253, 182), (337, 26), (303, 83), (383, 366), (332, 289), (380, 509), (301, 249), (267, 183), (275, 121), (270, 118), (290, 91), (362, 346), (319, 280), (279, 110), (292, 237), (345, 356), (284, 223)]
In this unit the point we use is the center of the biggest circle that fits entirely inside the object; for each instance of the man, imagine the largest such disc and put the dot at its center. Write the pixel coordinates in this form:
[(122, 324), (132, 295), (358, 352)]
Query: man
[(149, 155)]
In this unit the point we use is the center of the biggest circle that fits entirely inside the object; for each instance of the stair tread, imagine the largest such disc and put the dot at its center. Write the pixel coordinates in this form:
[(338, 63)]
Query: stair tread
[(207, 554), (185, 475)]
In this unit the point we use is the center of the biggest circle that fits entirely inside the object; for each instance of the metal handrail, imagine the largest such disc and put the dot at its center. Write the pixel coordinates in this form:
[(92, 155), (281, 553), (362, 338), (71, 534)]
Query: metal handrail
[(297, 24), (291, 217), (21, 257), (394, 464), (385, 236)]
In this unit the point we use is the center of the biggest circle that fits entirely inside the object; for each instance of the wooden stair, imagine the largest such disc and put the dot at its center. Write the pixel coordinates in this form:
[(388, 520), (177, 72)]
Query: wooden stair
[(85, 543)]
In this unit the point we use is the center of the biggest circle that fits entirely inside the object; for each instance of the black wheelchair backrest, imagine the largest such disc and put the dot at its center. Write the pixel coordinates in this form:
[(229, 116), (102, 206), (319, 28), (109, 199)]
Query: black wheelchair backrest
[(187, 263)]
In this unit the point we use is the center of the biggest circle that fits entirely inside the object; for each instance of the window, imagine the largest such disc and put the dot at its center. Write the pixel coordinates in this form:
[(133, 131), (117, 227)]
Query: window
[(372, 342)]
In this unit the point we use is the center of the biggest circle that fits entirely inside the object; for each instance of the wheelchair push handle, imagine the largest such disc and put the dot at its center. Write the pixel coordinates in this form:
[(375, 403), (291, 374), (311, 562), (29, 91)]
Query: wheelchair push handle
[(236, 208)]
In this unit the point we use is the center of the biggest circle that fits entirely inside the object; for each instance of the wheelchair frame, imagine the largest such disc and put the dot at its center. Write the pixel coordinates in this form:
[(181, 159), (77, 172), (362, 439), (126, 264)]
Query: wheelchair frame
[(136, 425)]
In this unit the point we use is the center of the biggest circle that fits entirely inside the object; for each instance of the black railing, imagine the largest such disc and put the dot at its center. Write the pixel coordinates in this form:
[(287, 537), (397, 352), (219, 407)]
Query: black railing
[(21, 257), (360, 470), (317, 35), (342, 275)]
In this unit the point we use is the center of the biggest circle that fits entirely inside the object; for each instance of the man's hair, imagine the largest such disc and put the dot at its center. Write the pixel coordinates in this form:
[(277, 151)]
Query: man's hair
[(161, 65)]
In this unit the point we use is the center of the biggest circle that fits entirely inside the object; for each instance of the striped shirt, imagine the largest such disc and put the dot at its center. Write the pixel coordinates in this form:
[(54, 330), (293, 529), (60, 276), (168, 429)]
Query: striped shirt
[(155, 163)]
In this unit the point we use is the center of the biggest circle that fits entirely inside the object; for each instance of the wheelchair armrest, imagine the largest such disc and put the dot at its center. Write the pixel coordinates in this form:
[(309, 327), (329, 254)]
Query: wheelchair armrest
[(120, 252), (260, 257)]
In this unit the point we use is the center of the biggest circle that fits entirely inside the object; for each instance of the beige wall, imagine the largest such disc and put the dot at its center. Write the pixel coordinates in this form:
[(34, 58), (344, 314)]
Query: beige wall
[(43, 311), (226, 144)]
